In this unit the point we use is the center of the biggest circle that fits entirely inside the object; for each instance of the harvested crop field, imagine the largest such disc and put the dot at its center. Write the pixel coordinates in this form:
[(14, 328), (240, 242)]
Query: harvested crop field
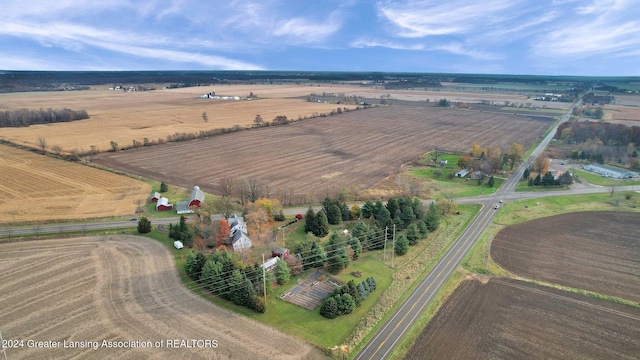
[(120, 289), (40, 188), (127, 116), (509, 319), (353, 149), (596, 251)]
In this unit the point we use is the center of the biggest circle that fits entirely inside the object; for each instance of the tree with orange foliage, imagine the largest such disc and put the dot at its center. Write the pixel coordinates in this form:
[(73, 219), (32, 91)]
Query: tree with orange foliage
[(541, 164), (223, 233), (476, 150)]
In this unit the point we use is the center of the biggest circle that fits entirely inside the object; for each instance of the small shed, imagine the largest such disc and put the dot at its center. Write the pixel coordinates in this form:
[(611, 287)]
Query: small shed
[(269, 264), (178, 244), (478, 175), (462, 173), (155, 197), (279, 252), (163, 204)]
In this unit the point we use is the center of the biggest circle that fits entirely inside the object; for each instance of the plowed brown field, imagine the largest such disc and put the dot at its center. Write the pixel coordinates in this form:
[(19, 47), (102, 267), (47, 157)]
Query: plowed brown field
[(40, 188), (354, 149), (509, 319), (596, 251), (120, 288)]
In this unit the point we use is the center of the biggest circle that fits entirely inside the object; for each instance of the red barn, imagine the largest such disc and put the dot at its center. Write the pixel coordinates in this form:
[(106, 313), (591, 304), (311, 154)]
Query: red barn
[(197, 197), (279, 252), (154, 198), (163, 204)]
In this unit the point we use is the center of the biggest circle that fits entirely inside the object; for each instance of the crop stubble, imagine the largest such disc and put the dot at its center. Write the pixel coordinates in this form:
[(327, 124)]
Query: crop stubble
[(40, 188), (120, 288), (354, 149)]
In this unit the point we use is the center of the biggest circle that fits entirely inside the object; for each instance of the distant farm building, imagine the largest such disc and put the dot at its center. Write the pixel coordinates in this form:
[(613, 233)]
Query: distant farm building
[(279, 252), (610, 172), (163, 204), (269, 264), (155, 197), (462, 173), (197, 197), (182, 207), (478, 175)]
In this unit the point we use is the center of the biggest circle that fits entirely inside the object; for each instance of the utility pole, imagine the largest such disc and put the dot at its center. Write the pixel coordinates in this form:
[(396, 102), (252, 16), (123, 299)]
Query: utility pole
[(264, 282), (283, 237), (393, 246), (384, 253), (2, 348)]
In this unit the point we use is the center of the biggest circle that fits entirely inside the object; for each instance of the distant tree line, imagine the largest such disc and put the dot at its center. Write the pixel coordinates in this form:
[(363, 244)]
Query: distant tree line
[(608, 133), (27, 117)]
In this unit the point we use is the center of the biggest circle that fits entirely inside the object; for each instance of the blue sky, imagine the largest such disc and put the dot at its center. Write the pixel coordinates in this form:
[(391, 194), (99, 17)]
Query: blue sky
[(546, 37)]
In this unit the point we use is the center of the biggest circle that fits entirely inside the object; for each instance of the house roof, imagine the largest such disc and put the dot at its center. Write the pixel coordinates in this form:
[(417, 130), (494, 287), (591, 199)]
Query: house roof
[(234, 220), (156, 195), (239, 235), (182, 207), (279, 250), (163, 201), (196, 194)]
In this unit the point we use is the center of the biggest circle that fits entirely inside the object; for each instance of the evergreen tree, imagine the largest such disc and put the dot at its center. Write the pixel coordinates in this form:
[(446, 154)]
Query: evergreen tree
[(362, 290), (281, 272), (334, 214), (193, 265), (530, 183), (315, 258), (392, 206), (401, 245), (329, 308), (548, 179), (527, 174), (413, 234), (383, 217), (344, 211), (367, 209), (310, 221), (432, 220), (164, 187), (360, 231), (322, 225), (538, 180), (372, 284), (258, 304), (235, 289), (422, 229), (211, 277), (352, 290), (418, 208), (337, 256), (144, 225), (346, 304), (407, 215), (356, 246), (491, 181)]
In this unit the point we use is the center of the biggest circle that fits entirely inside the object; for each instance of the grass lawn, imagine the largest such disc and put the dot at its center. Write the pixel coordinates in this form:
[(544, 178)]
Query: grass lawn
[(443, 187)]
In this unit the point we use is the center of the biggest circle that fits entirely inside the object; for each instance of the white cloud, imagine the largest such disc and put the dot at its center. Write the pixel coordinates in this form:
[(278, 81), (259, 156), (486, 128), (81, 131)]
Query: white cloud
[(436, 17), (460, 49), (365, 43)]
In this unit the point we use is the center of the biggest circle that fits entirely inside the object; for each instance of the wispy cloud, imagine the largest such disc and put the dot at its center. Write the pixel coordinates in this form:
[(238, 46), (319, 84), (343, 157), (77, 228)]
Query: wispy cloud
[(428, 18), (367, 43), (460, 49)]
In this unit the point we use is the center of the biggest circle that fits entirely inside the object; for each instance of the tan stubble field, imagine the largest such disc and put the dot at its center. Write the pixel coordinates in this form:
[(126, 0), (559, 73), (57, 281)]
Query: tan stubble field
[(120, 288)]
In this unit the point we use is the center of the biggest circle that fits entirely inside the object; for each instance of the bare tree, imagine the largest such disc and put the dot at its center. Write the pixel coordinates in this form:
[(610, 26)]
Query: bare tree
[(42, 142), (255, 190), (226, 206), (227, 186), (205, 117), (258, 121)]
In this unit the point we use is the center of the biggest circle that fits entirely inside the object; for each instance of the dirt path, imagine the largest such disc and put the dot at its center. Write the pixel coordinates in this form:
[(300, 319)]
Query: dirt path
[(120, 288)]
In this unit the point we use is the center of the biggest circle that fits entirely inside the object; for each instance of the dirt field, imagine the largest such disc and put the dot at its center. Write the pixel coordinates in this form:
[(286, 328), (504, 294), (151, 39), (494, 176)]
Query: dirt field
[(596, 251), (508, 319), (354, 149), (40, 188), (123, 117), (120, 289)]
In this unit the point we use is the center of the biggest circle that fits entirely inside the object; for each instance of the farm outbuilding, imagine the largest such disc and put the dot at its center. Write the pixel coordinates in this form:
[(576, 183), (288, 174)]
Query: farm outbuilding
[(279, 252), (197, 197), (154, 198), (611, 172), (462, 173), (182, 207), (163, 204), (269, 264)]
